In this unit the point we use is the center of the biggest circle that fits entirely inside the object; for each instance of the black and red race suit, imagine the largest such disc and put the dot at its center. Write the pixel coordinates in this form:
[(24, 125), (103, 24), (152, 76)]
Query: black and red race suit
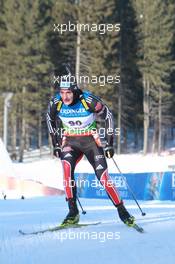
[(79, 123)]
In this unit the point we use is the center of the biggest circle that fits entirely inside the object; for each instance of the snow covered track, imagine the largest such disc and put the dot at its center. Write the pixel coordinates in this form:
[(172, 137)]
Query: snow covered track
[(157, 218), (110, 241)]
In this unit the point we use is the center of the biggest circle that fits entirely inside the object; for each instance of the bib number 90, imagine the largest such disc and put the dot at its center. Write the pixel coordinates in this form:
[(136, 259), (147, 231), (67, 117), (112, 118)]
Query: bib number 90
[(75, 123)]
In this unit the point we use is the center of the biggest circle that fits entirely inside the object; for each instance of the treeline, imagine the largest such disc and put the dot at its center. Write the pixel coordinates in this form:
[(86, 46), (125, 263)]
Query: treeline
[(131, 39)]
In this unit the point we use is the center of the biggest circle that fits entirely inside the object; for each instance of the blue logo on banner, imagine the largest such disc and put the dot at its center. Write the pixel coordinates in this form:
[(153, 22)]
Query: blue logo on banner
[(146, 186)]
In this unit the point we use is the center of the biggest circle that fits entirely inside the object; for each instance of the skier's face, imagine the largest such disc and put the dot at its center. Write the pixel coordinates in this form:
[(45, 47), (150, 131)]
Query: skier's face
[(67, 96)]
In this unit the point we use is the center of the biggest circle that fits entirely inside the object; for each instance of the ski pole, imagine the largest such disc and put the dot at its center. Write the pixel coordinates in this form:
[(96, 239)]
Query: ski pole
[(129, 188), (83, 211)]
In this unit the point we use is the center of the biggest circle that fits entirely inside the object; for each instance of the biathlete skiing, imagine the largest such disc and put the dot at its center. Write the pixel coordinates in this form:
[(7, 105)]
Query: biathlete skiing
[(72, 123)]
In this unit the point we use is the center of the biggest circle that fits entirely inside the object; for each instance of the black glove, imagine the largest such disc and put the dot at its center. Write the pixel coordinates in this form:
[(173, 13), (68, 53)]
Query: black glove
[(109, 152), (57, 150)]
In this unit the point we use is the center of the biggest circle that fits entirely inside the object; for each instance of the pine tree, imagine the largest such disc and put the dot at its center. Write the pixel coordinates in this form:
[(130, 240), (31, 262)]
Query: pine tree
[(155, 64), (129, 91), (25, 65)]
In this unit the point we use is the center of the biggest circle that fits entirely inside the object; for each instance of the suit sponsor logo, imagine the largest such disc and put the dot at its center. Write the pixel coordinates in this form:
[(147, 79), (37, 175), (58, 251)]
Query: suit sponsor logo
[(99, 167)]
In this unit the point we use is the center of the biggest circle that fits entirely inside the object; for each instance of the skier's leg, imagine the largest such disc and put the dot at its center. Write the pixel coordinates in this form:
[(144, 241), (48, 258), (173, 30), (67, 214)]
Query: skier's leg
[(69, 157), (97, 159)]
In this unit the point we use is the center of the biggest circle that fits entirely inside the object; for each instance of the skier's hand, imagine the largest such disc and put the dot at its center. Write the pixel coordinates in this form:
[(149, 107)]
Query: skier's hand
[(109, 152), (57, 150)]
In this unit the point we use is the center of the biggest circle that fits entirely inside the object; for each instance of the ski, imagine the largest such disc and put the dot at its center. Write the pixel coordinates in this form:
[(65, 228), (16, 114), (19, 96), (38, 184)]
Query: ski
[(80, 225), (58, 228), (138, 228)]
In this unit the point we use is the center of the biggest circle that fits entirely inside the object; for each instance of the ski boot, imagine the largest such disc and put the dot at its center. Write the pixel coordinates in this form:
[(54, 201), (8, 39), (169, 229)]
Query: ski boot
[(73, 215), (125, 217)]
